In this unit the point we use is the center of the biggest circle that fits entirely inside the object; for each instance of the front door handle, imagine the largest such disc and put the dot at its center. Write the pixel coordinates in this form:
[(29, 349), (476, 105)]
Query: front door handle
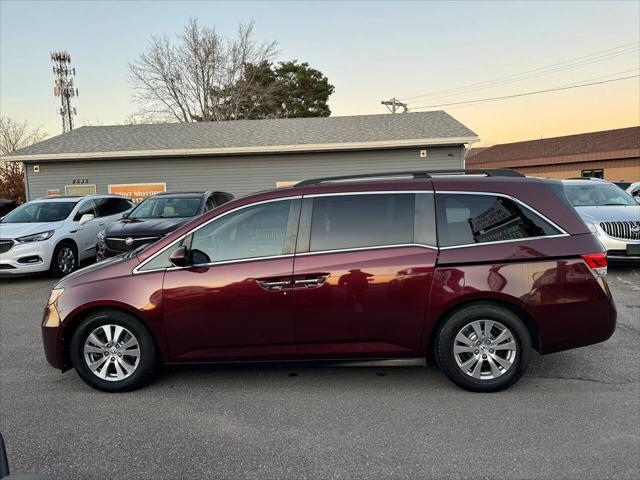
[(274, 285)]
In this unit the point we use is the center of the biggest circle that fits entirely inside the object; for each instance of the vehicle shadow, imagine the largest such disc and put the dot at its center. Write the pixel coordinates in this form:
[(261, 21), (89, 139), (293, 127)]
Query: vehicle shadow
[(314, 375)]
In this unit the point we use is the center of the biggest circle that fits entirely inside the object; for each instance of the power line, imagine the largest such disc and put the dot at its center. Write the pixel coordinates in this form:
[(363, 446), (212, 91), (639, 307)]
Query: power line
[(527, 93), (527, 77), (586, 80), (552, 68)]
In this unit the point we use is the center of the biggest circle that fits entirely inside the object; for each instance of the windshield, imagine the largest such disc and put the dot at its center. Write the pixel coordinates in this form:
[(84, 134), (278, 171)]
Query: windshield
[(36, 212), (597, 195), (167, 207)]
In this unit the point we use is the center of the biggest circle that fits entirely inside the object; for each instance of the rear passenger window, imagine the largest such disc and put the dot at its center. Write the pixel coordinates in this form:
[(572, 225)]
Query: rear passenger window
[(112, 206), (351, 221), (469, 219), (221, 198)]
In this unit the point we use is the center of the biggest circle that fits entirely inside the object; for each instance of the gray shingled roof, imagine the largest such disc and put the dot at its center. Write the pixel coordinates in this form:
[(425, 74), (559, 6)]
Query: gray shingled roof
[(252, 134)]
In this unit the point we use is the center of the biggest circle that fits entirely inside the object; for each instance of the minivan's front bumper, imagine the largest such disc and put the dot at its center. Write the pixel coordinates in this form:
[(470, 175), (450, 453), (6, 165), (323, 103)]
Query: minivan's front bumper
[(51, 337)]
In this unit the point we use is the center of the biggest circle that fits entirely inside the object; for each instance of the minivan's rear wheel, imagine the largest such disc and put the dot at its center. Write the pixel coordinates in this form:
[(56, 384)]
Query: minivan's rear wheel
[(483, 347), (113, 351)]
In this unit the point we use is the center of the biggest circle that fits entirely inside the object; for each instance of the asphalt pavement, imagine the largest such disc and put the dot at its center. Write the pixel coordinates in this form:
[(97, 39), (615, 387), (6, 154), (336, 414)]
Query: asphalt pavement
[(576, 414)]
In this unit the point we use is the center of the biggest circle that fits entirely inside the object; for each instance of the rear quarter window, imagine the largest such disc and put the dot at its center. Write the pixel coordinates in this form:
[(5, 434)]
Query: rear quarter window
[(468, 219)]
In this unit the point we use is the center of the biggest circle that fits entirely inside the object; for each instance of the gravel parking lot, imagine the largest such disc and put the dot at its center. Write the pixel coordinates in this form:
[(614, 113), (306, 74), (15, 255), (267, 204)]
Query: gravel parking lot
[(575, 415)]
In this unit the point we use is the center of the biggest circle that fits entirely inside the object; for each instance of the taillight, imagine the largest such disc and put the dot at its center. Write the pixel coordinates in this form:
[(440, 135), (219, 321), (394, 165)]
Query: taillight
[(597, 262)]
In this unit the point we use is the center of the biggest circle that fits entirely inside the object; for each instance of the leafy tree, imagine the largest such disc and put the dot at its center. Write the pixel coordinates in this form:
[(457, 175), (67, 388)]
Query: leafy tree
[(302, 91)]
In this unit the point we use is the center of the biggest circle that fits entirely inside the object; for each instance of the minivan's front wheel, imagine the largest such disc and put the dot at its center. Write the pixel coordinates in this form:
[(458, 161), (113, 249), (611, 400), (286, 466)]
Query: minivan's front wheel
[(483, 348), (113, 351)]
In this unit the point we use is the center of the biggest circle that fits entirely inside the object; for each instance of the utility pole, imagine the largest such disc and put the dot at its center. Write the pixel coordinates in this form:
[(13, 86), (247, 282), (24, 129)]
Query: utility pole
[(63, 87), (393, 105)]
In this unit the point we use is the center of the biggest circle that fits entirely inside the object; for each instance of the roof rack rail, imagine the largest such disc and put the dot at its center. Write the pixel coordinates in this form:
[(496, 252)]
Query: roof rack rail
[(489, 172), (596, 179)]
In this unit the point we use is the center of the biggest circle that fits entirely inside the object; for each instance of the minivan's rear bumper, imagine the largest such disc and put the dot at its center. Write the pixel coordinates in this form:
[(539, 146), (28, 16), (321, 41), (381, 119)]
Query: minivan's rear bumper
[(575, 312)]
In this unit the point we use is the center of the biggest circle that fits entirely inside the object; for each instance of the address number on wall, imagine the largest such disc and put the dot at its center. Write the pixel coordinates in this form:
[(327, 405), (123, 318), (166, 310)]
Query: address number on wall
[(79, 181)]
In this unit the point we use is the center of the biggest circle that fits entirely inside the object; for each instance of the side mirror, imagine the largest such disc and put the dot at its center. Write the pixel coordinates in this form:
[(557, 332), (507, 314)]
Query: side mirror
[(180, 257), (87, 217)]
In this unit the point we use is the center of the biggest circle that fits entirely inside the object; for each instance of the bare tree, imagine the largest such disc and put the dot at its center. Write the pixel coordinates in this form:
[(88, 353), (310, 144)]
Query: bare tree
[(13, 136), (200, 77)]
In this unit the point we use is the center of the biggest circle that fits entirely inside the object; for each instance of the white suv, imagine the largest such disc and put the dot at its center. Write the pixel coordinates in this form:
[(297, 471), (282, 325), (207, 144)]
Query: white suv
[(55, 233)]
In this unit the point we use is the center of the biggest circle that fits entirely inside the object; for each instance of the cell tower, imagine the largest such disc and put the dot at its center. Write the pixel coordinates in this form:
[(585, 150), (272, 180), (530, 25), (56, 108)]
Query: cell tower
[(63, 87)]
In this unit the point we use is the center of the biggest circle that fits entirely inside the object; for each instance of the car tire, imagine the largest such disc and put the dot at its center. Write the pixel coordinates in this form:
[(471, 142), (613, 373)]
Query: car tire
[(483, 347), (64, 259), (113, 351)]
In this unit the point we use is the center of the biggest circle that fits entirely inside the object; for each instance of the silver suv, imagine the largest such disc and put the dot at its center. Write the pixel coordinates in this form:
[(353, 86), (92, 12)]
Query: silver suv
[(611, 213), (55, 233)]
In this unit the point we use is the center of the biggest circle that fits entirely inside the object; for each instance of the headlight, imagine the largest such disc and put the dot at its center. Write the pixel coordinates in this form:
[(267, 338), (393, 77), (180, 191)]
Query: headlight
[(55, 295), (36, 237), (593, 228), (51, 317), (101, 235)]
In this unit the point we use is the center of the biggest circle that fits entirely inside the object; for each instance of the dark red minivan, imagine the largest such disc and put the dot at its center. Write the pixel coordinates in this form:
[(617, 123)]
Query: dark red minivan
[(477, 267)]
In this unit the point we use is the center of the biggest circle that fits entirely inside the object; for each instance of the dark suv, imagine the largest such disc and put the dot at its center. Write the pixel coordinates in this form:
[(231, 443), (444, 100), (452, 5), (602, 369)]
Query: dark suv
[(476, 268), (154, 218)]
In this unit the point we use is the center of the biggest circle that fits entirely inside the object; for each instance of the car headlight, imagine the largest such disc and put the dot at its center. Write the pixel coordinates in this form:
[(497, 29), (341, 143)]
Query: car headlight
[(101, 235), (36, 237), (51, 317), (593, 228), (55, 295)]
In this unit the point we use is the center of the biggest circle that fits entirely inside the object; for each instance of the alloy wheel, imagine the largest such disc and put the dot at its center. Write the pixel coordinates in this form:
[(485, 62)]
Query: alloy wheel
[(66, 260), (484, 349), (112, 352)]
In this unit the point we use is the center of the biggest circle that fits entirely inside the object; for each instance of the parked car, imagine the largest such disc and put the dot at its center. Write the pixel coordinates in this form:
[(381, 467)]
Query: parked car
[(611, 213), (55, 233), (634, 190), (154, 218), (622, 185), (478, 269), (4, 467), (6, 206)]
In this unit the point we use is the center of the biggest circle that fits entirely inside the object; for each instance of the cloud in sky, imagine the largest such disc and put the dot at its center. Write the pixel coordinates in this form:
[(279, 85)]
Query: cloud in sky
[(369, 50)]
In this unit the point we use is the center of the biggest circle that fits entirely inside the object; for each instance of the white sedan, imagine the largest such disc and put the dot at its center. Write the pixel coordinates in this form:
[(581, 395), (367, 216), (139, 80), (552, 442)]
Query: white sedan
[(57, 233)]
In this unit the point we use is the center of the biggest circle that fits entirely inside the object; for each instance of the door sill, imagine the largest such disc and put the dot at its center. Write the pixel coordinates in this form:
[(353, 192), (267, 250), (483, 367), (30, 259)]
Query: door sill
[(324, 362)]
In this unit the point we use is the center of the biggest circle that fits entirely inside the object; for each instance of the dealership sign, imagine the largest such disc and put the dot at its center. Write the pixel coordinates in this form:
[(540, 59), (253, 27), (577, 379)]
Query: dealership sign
[(138, 191)]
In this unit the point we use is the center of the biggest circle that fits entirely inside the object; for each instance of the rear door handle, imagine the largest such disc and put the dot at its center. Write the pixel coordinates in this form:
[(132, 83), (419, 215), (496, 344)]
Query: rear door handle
[(311, 282)]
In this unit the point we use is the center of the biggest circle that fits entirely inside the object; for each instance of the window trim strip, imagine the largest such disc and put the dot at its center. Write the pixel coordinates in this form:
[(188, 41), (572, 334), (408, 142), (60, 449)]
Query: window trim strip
[(358, 249)]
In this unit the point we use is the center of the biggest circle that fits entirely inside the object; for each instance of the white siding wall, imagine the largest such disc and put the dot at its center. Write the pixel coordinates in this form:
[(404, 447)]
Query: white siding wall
[(238, 175)]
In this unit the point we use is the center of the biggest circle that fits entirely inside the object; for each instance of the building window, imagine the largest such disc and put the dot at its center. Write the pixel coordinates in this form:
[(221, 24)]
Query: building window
[(597, 173)]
